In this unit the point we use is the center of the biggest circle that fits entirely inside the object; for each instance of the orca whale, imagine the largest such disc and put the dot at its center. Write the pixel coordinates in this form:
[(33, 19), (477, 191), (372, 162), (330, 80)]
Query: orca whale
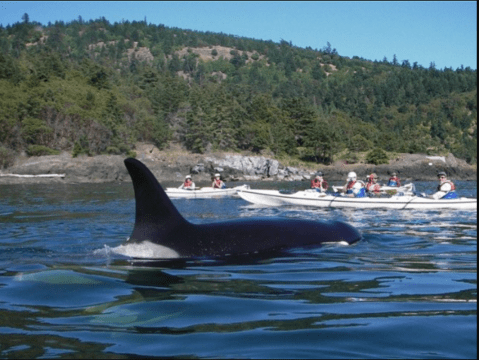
[(158, 222)]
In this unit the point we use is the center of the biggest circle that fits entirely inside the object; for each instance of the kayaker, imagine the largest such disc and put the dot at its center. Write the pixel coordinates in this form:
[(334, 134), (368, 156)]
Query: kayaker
[(188, 184), (394, 180), (218, 183), (446, 188), (372, 187), (354, 187), (319, 183)]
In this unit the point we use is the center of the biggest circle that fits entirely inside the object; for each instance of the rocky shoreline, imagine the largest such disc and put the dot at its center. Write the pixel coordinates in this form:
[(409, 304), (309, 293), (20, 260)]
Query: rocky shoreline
[(173, 166)]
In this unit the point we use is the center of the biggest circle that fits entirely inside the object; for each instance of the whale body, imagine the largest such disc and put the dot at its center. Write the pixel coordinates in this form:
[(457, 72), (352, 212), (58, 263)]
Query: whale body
[(158, 222)]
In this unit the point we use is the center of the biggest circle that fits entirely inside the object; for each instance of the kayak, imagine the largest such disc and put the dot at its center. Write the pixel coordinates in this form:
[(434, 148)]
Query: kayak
[(317, 199), (407, 189), (204, 192)]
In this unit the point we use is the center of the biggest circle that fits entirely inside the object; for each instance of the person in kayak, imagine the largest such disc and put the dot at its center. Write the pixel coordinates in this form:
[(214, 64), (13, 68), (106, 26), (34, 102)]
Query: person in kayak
[(372, 187), (218, 183), (394, 180), (188, 184), (354, 187), (446, 188), (319, 183)]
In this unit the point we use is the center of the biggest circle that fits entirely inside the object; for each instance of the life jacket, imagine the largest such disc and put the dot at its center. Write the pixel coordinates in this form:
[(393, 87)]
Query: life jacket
[(394, 181), (217, 184), (371, 187), (188, 183), (349, 187), (453, 187), (451, 194), (317, 184)]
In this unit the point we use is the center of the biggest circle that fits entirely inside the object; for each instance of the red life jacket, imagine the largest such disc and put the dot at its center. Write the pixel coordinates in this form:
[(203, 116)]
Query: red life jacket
[(373, 187), (188, 183), (453, 187), (395, 179), (217, 183), (317, 184), (350, 185)]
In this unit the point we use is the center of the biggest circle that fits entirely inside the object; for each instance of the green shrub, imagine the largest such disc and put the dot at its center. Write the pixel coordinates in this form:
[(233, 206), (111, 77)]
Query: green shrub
[(78, 150), (351, 157), (377, 156), (360, 143), (113, 150), (40, 150), (7, 157)]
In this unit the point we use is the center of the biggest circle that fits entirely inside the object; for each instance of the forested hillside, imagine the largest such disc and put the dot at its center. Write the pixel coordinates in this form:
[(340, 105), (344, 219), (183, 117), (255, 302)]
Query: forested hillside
[(95, 87)]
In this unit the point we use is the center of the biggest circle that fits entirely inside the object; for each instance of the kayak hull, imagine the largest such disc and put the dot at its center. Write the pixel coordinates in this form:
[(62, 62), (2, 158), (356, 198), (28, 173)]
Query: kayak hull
[(203, 193), (316, 199)]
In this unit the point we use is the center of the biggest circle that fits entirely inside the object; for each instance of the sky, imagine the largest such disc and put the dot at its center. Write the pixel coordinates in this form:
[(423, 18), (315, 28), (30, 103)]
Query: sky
[(439, 32)]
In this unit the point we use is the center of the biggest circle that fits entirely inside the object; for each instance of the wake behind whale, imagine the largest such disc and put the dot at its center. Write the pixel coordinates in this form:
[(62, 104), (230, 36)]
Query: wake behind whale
[(160, 231)]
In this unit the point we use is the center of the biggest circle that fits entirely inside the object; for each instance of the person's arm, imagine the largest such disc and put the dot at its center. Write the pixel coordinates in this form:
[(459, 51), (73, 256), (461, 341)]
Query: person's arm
[(438, 194), (443, 190)]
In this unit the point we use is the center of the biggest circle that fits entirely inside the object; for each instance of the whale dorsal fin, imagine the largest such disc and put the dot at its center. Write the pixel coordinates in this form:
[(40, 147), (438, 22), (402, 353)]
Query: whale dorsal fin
[(156, 216)]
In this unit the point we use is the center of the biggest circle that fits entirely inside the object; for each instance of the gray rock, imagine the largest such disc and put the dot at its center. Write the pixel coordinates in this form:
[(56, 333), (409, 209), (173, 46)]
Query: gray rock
[(198, 168), (273, 167), (109, 168)]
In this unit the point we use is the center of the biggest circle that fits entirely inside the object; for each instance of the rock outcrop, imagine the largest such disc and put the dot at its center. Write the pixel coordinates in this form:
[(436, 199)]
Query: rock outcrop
[(168, 167)]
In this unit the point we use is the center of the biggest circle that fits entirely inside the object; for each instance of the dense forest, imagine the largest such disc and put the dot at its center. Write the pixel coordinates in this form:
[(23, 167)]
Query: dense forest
[(92, 87)]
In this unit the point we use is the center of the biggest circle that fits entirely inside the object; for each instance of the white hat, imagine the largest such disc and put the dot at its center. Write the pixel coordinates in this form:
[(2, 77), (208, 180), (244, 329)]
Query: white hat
[(217, 175), (188, 177), (352, 175)]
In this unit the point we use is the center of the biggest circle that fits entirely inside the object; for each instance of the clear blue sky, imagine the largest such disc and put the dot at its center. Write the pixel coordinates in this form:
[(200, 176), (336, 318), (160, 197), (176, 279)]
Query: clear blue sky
[(443, 32)]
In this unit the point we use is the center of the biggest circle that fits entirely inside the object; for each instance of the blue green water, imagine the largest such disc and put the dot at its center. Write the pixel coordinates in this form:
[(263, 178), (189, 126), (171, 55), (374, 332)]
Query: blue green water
[(407, 290)]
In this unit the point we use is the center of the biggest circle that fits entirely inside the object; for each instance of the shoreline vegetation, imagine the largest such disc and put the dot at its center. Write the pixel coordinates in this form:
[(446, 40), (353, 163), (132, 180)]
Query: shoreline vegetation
[(77, 98), (172, 164)]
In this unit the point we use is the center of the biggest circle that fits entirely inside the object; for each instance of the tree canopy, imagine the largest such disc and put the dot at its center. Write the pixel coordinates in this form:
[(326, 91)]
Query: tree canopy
[(95, 87)]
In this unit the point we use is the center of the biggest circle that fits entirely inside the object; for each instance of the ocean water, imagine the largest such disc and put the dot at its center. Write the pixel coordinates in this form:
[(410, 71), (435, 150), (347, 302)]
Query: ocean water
[(408, 289)]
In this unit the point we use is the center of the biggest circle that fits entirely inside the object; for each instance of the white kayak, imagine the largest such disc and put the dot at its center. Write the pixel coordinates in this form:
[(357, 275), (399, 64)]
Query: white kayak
[(317, 199), (204, 192), (407, 189)]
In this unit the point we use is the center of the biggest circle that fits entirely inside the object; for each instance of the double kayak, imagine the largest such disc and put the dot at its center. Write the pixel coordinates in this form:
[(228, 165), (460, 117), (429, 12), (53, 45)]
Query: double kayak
[(317, 199), (204, 192)]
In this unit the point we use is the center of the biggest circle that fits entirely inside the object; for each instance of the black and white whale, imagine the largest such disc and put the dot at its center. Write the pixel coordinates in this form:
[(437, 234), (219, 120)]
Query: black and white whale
[(161, 229)]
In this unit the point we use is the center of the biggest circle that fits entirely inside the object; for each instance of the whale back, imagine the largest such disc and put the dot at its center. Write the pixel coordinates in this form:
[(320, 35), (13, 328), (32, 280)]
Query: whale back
[(158, 221)]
